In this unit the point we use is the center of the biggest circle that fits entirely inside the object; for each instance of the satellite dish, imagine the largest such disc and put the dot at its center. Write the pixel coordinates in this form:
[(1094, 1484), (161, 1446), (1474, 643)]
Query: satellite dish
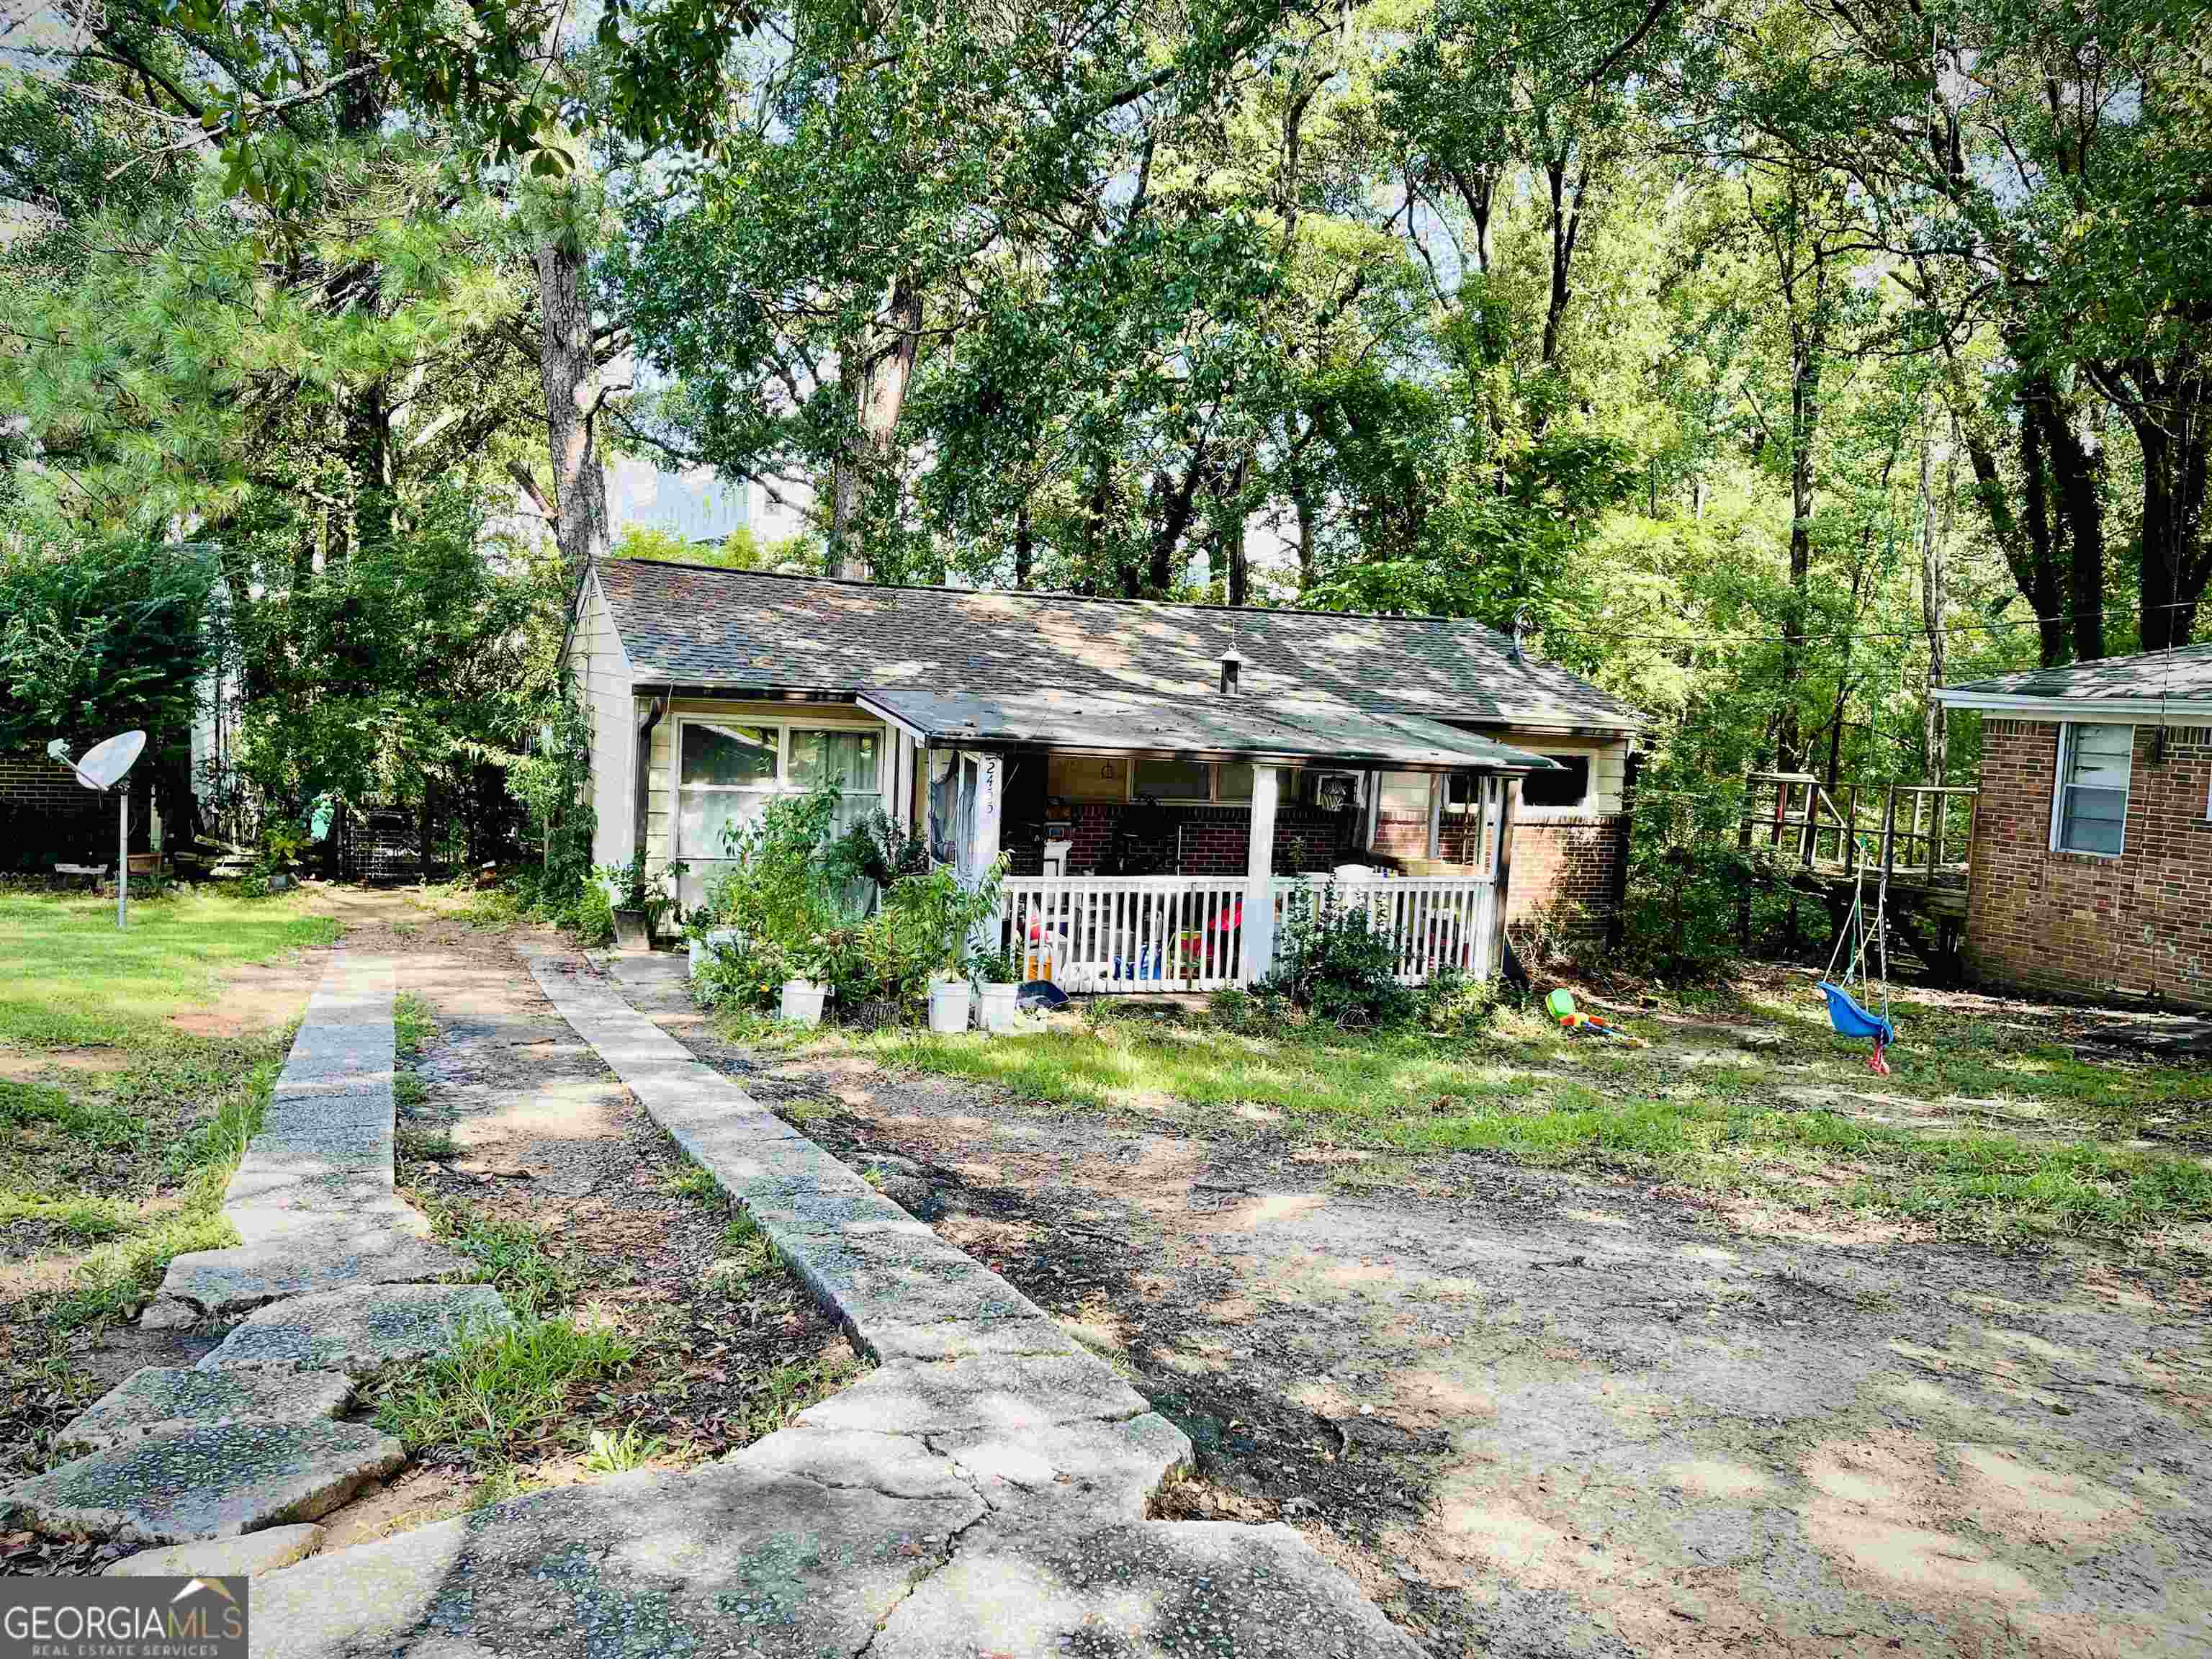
[(104, 767)]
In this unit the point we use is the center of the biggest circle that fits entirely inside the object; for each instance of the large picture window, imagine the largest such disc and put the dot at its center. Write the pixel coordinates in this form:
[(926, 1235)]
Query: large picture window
[(1191, 782), (728, 772), (2090, 814)]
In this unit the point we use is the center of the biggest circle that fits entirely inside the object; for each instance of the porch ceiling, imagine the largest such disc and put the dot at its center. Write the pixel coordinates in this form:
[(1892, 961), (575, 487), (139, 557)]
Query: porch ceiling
[(1277, 733)]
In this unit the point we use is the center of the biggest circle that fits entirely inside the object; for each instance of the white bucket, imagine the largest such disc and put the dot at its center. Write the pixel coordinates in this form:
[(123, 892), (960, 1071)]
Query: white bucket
[(948, 1007), (999, 1012), (802, 1002)]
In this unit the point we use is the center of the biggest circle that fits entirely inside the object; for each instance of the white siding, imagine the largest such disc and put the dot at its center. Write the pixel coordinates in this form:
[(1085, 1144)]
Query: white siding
[(602, 677)]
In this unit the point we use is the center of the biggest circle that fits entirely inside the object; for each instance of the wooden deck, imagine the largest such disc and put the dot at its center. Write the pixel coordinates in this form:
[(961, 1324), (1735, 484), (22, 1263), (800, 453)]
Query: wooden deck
[(1916, 840)]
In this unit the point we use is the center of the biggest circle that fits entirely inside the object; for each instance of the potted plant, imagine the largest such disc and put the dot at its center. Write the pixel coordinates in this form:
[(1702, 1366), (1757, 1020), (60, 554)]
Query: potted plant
[(639, 901), (819, 961), (939, 915), (997, 976)]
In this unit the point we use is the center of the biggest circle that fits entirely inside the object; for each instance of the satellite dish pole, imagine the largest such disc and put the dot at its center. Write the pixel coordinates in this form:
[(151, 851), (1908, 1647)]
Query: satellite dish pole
[(105, 765)]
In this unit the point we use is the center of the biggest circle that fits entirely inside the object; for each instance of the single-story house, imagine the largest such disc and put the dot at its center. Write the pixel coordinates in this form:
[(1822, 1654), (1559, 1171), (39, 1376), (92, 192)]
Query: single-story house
[(1144, 768), (2091, 872)]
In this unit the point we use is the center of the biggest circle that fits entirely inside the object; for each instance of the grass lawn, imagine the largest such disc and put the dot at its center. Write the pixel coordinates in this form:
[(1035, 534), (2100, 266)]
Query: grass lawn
[(68, 979), (1804, 1122), (118, 1132)]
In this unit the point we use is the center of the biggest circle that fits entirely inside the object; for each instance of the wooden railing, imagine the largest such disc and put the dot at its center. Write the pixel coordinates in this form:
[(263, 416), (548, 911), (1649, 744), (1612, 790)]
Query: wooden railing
[(1900, 828), (1154, 933)]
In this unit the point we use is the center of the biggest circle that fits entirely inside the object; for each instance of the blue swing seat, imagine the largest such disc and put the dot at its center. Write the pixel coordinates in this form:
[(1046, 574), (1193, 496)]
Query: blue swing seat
[(1852, 1021)]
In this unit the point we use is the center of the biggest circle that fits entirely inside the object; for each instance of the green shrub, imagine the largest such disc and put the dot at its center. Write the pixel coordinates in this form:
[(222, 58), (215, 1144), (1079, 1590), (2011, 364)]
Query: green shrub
[(1332, 962), (592, 916)]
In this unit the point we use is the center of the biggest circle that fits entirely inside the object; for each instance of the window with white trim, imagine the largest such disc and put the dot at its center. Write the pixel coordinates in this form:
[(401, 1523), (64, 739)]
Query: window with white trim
[(2090, 811), (727, 771)]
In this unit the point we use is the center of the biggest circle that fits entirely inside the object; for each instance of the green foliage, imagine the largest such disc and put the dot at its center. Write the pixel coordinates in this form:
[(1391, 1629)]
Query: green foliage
[(497, 1390), (1333, 963)]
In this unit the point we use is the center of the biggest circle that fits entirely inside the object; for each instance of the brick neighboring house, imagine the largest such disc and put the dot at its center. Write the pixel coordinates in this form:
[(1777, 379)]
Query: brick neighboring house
[(1201, 742), (47, 818), (2091, 872)]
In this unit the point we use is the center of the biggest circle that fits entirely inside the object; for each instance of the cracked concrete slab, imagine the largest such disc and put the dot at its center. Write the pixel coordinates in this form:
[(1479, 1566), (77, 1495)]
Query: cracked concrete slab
[(982, 1492), (1008, 1393), (360, 1329), (207, 1481), (249, 1556), (325, 1258), (156, 1399), (724, 1560), (1137, 1591)]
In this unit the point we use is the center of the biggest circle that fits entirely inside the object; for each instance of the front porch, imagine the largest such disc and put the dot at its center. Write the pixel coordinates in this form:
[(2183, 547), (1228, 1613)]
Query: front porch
[(1212, 923)]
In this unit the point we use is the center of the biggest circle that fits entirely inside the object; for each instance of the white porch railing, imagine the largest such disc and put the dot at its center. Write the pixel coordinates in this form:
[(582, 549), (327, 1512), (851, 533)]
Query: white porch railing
[(1138, 933), (1436, 922), (1129, 932)]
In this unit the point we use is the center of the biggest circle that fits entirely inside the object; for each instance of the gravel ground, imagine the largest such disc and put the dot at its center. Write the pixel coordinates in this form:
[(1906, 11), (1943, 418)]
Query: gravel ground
[(1534, 1414)]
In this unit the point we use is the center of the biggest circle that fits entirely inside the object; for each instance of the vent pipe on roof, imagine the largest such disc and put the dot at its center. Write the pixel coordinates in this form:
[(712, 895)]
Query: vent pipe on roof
[(1520, 627), (1232, 666)]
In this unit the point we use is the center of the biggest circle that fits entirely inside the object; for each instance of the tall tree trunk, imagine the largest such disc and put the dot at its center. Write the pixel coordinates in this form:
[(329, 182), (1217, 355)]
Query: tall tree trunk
[(1025, 546), (877, 385), (2175, 564), (569, 374), (1934, 582), (1309, 569)]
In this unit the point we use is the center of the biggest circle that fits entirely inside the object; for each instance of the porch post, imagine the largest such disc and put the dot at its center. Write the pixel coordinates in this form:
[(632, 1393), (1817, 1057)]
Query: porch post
[(1438, 788), (1508, 793), (1260, 876), (990, 803)]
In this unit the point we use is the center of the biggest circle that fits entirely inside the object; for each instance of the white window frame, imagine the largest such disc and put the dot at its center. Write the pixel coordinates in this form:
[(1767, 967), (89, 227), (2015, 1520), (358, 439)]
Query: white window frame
[(784, 726), (1131, 793), (2058, 788), (1581, 809)]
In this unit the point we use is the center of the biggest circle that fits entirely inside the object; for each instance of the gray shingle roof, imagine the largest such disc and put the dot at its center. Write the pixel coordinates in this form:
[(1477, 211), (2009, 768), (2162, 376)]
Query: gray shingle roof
[(1211, 728), (690, 625), (2184, 675)]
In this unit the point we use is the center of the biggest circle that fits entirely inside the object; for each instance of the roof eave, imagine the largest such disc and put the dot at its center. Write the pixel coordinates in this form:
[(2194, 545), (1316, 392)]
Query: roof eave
[(2110, 711)]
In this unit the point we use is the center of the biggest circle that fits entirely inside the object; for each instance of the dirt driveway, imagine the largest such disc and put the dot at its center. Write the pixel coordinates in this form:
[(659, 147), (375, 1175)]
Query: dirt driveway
[(1540, 1415)]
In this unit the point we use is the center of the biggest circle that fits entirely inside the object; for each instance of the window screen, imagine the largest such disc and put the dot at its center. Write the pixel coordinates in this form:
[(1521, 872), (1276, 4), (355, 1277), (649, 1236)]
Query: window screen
[(1235, 781), (2093, 797), (1173, 779), (728, 756), (1566, 786)]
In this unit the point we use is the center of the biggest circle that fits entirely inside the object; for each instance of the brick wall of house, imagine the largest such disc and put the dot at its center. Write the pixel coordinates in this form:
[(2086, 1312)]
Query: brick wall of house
[(2072, 924), (46, 817), (1213, 840)]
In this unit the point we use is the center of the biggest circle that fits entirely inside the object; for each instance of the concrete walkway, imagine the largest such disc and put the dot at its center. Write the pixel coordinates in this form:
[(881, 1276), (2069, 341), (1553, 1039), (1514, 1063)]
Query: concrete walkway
[(982, 1492), (336, 1264)]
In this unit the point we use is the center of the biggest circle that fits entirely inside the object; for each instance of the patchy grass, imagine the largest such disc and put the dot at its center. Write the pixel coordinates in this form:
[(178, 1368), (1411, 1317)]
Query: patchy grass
[(136, 1163), (1525, 1094), (68, 979), (111, 1164), (414, 1027), (495, 1392)]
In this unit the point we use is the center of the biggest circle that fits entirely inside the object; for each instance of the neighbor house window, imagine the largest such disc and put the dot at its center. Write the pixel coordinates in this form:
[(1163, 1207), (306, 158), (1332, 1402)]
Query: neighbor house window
[(1567, 785), (2091, 813)]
